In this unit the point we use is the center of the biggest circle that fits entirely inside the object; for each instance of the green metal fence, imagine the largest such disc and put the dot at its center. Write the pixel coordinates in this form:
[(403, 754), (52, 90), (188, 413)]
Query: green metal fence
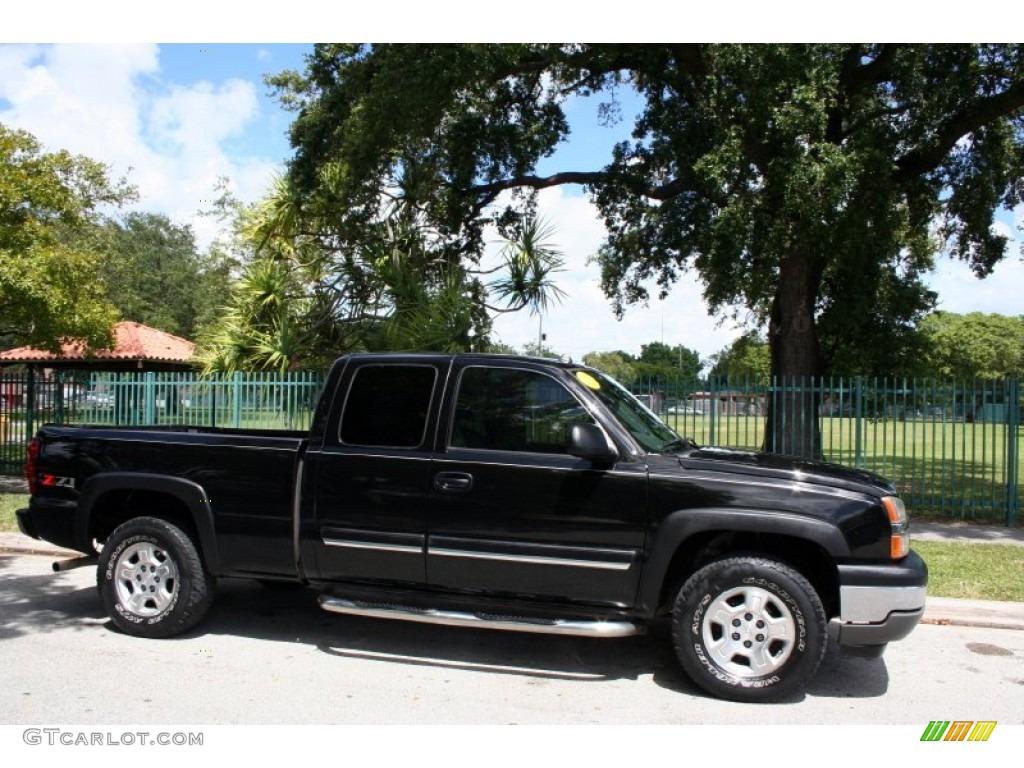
[(952, 447), (247, 401)]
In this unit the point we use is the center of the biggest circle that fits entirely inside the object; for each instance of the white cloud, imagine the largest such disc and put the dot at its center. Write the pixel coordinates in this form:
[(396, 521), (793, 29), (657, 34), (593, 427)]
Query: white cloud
[(110, 103), (1000, 293)]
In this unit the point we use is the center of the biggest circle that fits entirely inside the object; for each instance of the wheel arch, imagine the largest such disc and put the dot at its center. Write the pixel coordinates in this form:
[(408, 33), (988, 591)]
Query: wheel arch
[(111, 499), (688, 539)]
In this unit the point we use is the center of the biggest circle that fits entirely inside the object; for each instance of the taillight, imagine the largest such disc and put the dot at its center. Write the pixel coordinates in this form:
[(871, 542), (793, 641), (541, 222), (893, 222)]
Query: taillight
[(30, 465), (899, 538)]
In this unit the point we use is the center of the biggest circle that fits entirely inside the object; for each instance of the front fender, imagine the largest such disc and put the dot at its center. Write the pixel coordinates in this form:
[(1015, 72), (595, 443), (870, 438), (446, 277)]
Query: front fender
[(678, 527), (189, 493)]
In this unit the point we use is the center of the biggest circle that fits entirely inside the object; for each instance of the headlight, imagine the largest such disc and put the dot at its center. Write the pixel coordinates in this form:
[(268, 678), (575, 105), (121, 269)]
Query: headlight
[(899, 541)]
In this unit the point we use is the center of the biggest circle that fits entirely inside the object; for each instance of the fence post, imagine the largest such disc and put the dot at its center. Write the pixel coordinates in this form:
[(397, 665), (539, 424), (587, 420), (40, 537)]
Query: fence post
[(58, 397), (150, 390), (213, 403), (236, 414), (713, 407), (30, 404), (1012, 449), (858, 422)]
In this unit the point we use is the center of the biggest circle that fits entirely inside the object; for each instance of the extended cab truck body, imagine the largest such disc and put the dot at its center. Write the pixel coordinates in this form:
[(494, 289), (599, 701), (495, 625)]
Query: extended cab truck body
[(492, 491)]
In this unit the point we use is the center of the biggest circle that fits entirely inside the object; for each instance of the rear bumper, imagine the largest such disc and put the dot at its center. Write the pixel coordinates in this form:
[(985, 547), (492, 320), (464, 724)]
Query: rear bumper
[(880, 603), (25, 523), (49, 521)]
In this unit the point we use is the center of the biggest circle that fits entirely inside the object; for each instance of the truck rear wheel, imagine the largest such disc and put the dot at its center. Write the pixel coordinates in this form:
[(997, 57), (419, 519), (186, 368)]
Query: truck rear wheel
[(749, 629), (152, 580)]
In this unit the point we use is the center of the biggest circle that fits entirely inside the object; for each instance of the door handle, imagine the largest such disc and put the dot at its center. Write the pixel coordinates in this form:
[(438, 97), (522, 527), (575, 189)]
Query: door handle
[(453, 482)]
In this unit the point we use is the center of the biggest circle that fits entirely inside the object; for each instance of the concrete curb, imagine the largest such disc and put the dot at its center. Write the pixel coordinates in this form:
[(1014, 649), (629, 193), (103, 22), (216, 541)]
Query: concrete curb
[(19, 544), (989, 614)]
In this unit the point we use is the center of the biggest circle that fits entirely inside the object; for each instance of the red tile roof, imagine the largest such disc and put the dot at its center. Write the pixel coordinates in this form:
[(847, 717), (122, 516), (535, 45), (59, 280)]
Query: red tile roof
[(132, 341)]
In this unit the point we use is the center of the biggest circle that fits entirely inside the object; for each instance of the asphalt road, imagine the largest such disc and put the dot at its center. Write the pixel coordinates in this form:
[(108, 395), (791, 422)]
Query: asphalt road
[(267, 656)]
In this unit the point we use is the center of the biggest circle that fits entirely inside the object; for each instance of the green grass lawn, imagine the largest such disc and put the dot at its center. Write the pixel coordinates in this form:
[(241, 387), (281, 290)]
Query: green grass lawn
[(970, 571), (973, 571), (8, 503)]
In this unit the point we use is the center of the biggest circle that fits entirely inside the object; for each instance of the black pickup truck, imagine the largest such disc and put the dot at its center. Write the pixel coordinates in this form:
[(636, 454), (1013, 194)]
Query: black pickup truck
[(498, 492)]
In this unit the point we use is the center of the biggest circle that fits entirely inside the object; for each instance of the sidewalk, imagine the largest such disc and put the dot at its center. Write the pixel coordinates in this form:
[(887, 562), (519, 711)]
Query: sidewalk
[(965, 532)]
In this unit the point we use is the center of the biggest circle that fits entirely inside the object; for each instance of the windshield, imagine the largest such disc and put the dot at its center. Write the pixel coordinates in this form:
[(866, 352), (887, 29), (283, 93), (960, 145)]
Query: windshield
[(646, 428)]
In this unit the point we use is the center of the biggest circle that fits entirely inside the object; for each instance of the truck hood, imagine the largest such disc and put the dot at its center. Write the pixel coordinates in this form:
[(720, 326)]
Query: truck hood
[(770, 465)]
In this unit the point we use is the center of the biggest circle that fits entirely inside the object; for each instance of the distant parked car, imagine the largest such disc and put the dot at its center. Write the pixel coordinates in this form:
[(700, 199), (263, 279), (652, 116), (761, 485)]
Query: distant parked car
[(681, 409), (99, 400)]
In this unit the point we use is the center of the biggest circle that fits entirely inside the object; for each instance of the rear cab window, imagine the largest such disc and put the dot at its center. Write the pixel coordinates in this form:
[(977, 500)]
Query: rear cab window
[(387, 406)]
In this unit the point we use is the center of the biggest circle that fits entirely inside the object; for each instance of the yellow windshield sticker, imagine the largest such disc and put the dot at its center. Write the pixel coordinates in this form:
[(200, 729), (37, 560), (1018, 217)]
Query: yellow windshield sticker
[(587, 380)]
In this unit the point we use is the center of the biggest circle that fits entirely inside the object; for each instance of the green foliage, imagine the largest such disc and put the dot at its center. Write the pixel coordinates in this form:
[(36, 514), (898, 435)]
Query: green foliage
[(528, 263), (155, 275), (658, 359), (499, 348), (50, 285), (258, 329), (746, 358), (976, 345), (540, 349), (614, 364), (307, 294)]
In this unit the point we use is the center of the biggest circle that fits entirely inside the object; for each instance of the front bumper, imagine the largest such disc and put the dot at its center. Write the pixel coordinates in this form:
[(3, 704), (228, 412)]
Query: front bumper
[(880, 603)]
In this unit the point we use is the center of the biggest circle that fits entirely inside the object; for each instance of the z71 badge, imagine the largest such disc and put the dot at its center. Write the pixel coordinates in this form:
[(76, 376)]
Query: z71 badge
[(55, 481)]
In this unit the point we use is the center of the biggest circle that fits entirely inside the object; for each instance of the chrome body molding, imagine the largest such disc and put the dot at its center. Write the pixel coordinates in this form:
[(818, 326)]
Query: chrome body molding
[(871, 605), (297, 518), (378, 546), (575, 627), (610, 565)]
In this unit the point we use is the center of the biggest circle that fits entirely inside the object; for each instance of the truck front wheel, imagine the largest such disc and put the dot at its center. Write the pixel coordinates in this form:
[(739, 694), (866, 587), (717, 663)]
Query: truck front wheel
[(749, 629), (152, 580)]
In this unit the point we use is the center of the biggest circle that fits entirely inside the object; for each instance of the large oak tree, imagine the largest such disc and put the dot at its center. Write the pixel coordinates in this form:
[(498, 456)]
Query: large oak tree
[(811, 186)]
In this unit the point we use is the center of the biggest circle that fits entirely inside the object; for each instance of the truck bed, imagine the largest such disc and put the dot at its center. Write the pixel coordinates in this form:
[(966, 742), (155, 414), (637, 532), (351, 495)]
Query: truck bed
[(248, 476)]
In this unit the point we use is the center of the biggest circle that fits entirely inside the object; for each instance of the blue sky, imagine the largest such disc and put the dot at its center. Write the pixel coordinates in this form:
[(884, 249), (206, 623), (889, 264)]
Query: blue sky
[(174, 118)]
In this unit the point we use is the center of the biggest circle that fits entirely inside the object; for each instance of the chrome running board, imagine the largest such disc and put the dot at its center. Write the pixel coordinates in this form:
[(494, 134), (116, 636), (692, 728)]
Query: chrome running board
[(480, 620)]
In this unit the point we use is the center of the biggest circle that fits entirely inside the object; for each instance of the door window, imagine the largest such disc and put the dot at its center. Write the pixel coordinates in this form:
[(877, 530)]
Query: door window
[(505, 409)]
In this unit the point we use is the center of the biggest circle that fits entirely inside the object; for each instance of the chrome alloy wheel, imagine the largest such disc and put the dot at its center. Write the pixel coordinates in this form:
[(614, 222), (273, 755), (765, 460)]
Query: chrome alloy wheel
[(146, 580), (749, 632)]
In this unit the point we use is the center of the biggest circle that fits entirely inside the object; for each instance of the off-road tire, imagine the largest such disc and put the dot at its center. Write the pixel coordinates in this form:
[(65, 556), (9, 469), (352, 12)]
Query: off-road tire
[(151, 579), (749, 629)]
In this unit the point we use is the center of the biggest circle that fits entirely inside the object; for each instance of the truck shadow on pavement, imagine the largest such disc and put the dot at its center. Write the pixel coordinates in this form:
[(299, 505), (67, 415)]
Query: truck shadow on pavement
[(33, 600), (292, 616), (43, 602)]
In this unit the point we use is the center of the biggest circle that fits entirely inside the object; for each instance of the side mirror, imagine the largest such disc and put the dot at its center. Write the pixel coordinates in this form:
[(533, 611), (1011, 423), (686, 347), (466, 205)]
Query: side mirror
[(588, 441)]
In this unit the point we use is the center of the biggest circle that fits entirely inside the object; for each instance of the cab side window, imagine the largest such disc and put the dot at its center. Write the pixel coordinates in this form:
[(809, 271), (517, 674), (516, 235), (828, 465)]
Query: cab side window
[(505, 409), (387, 406)]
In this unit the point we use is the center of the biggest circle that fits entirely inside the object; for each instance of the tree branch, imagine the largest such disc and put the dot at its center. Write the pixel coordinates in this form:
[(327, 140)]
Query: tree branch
[(660, 192), (853, 78), (855, 75), (921, 160)]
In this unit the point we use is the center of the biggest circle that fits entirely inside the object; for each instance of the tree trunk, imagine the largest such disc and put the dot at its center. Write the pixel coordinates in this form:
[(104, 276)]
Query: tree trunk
[(793, 426)]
